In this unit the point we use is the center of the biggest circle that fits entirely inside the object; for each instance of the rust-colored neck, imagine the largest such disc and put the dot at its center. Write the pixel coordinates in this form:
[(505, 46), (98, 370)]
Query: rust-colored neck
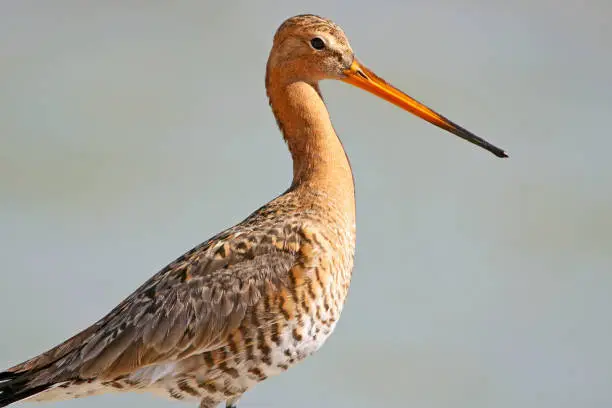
[(319, 160)]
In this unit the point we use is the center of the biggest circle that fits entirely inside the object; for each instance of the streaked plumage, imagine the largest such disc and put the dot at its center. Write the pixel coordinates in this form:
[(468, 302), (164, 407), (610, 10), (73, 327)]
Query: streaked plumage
[(244, 305), (255, 299)]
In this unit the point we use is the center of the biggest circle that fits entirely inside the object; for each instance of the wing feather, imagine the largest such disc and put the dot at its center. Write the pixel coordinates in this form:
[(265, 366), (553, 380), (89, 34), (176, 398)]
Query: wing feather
[(188, 307)]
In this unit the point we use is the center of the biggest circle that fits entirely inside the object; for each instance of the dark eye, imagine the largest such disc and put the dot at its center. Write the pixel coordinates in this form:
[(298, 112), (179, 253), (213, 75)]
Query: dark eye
[(317, 43)]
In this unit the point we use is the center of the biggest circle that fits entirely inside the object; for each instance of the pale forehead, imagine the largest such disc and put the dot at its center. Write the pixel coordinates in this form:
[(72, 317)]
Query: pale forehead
[(309, 24)]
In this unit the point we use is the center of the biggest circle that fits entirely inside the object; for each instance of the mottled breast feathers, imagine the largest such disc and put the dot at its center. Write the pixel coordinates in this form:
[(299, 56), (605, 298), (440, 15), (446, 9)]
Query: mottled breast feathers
[(188, 307)]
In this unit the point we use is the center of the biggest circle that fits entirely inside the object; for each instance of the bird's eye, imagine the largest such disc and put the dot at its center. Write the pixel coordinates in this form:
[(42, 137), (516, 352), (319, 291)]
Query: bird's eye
[(317, 43)]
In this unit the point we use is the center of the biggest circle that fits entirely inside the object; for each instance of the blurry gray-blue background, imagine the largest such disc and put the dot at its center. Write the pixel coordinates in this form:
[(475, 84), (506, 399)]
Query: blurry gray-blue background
[(132, 131)]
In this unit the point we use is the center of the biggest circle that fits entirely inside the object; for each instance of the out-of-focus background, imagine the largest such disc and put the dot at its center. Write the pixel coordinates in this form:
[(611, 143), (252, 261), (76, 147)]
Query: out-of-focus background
[(132, 131)]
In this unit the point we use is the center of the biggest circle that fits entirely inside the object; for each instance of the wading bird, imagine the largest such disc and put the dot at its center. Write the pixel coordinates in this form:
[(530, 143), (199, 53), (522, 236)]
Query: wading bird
[(258, 297)]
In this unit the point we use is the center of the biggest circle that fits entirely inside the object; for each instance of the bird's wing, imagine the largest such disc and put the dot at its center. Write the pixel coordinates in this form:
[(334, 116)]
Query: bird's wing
[(186, 308)]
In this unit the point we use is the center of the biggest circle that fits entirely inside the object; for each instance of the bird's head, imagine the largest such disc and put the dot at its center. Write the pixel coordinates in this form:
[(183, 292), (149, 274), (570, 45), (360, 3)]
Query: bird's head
[(309, 48)]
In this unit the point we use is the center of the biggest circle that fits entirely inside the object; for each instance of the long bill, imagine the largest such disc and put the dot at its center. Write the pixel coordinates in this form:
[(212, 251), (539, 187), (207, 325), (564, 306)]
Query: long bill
[(363, 78)]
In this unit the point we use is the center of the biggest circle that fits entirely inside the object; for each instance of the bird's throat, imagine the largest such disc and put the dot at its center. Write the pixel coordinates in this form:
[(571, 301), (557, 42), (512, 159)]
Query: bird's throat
[(319, 159)]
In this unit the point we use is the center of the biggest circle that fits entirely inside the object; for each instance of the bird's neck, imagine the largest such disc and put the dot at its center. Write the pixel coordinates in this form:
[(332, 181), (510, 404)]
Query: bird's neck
[(319, 160)]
